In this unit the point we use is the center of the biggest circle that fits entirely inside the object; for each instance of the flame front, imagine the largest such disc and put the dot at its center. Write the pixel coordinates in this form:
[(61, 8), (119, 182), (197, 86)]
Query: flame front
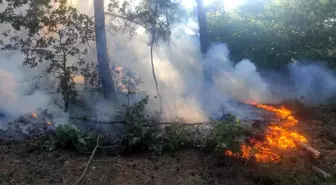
[(278, 137)]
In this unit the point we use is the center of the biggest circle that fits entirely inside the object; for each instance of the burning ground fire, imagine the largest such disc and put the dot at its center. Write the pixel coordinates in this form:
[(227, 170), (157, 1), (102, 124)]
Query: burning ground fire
[(34, 115), (278, 136)]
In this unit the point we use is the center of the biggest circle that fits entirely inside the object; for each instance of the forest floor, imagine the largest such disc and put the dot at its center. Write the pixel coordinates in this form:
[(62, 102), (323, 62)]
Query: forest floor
[(21, 164)]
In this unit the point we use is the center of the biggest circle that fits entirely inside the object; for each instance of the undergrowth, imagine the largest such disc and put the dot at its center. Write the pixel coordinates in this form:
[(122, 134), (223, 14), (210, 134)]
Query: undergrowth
[(226, 134), (141, 133), (144, 134), (70, 138)]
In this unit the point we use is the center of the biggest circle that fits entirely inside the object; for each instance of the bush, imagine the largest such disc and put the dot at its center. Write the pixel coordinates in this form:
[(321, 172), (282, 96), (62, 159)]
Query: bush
[(226, 134), (69, 137), (140, 134)]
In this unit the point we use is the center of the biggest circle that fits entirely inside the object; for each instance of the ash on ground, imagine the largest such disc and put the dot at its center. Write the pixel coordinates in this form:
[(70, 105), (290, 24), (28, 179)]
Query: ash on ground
[(26, 126)]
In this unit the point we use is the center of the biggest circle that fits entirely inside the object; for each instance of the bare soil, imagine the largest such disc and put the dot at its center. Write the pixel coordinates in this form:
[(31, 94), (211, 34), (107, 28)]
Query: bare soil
[(22, 164), (19, 165)]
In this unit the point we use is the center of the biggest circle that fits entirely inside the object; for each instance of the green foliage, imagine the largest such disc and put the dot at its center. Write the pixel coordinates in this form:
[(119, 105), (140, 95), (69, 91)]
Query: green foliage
[(142, 13), (59, 38), (272, 33), (226, 134), (69, 137), (138, 134), (175, 138), (141, 134)]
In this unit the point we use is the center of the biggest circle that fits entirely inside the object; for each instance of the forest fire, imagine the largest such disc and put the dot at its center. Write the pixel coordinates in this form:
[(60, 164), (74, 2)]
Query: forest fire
[(34, 115), (278, 136)]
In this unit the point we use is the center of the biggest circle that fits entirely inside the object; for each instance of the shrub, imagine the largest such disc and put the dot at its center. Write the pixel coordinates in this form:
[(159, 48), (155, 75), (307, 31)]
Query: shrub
[(226, 134), (69, 137), (139, 135)]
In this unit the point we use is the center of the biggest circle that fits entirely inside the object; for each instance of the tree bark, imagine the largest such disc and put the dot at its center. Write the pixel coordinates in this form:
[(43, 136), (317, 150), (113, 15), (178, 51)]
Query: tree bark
[(102, 56), (322, 174), (315, 153), (151, 53), (204, 44), (203, 29)]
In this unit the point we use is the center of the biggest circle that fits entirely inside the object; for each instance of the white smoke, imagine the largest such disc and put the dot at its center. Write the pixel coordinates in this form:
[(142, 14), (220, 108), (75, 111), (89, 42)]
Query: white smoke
[(179, 69), (13, 96), (313, 83)]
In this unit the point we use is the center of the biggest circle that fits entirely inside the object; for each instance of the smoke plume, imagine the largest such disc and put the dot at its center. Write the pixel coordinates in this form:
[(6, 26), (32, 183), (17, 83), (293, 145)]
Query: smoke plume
[(179, 69)]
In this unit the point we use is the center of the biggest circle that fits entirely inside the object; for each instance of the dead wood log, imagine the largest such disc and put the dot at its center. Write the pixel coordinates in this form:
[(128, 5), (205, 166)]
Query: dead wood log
[(97, 121), (245, 122), (150, 125), (261, 132), (315, 153), (320, 173)]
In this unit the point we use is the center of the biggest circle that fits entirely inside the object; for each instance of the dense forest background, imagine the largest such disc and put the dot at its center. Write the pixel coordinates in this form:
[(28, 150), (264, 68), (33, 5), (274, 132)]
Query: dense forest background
[(274, 33), (56, 39)]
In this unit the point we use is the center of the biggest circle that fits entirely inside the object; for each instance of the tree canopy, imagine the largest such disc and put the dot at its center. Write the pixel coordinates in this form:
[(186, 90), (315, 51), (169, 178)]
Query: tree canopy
[(274, 32)]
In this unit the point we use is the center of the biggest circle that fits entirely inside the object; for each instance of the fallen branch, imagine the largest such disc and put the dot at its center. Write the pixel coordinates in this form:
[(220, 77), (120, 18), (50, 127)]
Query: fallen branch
[(157, 124), (315, 153), (103, 122), (151, 125), (320, 173), (181, 124), (88, 163)]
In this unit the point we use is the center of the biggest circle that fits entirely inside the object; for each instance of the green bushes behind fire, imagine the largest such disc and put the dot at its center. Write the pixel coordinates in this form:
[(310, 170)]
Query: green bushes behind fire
[(142, 133)]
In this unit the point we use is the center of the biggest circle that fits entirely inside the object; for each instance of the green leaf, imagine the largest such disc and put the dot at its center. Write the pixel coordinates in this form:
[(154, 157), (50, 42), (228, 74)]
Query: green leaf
[(82, 141)]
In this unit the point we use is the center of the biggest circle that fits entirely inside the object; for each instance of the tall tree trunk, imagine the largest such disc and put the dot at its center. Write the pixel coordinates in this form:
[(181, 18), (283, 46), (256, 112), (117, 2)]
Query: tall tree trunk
[(204, 41), (203, 30), (102, 56)]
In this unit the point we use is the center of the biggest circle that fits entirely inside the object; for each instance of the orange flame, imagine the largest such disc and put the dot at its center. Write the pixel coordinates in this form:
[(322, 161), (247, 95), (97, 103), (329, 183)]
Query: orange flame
[(34, 115), (277, 135)]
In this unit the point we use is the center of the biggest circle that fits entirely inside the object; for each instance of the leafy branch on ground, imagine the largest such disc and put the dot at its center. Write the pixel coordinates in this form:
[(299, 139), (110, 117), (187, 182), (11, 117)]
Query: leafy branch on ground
[(140, 134), (70, 138), (226, 134)]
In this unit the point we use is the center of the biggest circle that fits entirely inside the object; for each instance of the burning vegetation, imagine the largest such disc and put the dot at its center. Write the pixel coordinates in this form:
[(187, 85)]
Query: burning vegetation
[(279, 136), (58, 44)]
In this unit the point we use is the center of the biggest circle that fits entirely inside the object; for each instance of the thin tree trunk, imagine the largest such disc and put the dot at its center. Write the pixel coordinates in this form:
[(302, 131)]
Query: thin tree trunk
[(102, 56), (151, 55), (66, 88)]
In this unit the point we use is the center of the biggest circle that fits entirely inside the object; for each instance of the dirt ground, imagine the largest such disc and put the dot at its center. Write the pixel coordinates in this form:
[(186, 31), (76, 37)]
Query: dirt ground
[(21, 164)]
